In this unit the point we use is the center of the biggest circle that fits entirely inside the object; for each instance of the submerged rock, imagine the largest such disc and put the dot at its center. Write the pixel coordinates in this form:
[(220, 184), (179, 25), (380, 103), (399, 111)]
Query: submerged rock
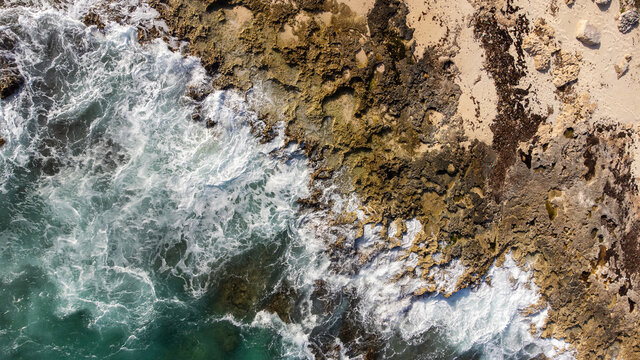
[(628, 20), (246, 281), (10, 81), (10, 77), (282, 302)]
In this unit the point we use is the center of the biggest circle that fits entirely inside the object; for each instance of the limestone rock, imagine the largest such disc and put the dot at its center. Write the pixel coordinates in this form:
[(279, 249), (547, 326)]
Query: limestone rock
[(603, 2), (461, 205), (628, 20), (622, 68), (567, 68), (541, 44), (10, 79), (587, 33)]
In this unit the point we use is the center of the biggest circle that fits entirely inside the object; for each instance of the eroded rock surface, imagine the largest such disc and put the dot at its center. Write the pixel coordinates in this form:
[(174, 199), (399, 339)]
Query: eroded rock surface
[(628, 20), (541, 44), (10, 78), (377, 121)]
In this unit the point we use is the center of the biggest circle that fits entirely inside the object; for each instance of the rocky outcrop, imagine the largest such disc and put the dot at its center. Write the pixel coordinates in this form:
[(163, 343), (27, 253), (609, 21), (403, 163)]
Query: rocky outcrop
[(377, 121), (541, 44), (10, 80), (567, 68)]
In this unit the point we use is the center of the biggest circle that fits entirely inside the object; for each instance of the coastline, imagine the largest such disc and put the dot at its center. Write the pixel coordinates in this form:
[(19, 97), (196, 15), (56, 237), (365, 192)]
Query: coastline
[(545, 176)]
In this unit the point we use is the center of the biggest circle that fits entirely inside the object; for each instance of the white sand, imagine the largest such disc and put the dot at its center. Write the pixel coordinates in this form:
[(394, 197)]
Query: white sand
[(617, 99)]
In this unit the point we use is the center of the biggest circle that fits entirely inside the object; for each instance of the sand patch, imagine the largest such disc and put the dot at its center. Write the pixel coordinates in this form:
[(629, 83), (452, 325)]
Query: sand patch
[(615, 96)]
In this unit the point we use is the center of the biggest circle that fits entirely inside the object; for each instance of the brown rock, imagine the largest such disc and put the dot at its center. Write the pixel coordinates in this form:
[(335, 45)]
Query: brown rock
[(567, 68), (93, 19), (566, 194), (10, 81)]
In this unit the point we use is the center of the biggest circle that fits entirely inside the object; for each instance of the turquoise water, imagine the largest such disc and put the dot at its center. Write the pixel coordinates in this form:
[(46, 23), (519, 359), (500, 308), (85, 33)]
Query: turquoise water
[(127, 230)]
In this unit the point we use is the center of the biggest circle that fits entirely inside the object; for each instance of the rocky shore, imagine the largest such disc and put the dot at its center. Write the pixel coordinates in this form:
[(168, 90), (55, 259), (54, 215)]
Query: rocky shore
[(10, 77), (504, 127)]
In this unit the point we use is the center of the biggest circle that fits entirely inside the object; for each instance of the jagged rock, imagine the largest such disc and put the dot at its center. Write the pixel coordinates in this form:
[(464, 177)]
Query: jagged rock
[(569, 237), (587, 33), (541, 44), (628, 20), (93, 19), (603, 2), (622, 68), (567, 68), (10, 77), (6, 41), (10, 81)]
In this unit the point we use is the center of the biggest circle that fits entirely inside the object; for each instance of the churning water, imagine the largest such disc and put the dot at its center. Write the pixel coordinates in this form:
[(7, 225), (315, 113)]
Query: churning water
[(121, 216), (130, 231)]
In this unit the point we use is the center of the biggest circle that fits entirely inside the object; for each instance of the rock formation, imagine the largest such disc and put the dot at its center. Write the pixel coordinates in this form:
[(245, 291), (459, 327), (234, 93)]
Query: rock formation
[(377, 120)]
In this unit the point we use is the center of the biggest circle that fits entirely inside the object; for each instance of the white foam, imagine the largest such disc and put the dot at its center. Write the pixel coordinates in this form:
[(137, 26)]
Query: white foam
[(294, 337), (141, 179), (446, 277), (489, 316)]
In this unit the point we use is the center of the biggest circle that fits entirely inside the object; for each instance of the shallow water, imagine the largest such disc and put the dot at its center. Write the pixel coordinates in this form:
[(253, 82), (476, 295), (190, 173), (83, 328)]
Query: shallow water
[(130, 231)]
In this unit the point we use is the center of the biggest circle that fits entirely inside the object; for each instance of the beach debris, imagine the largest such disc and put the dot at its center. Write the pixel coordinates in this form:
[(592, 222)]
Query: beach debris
[(622, 68)]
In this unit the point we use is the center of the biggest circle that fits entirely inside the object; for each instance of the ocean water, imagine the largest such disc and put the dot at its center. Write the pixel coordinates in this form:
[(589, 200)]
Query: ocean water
[(130, 231)]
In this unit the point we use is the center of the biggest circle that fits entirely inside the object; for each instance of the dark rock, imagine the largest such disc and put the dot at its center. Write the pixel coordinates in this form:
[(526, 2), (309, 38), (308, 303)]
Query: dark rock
[(93, 19), (10, 77), (7, 42), (197, 93), (628, 20), (10, 81)]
